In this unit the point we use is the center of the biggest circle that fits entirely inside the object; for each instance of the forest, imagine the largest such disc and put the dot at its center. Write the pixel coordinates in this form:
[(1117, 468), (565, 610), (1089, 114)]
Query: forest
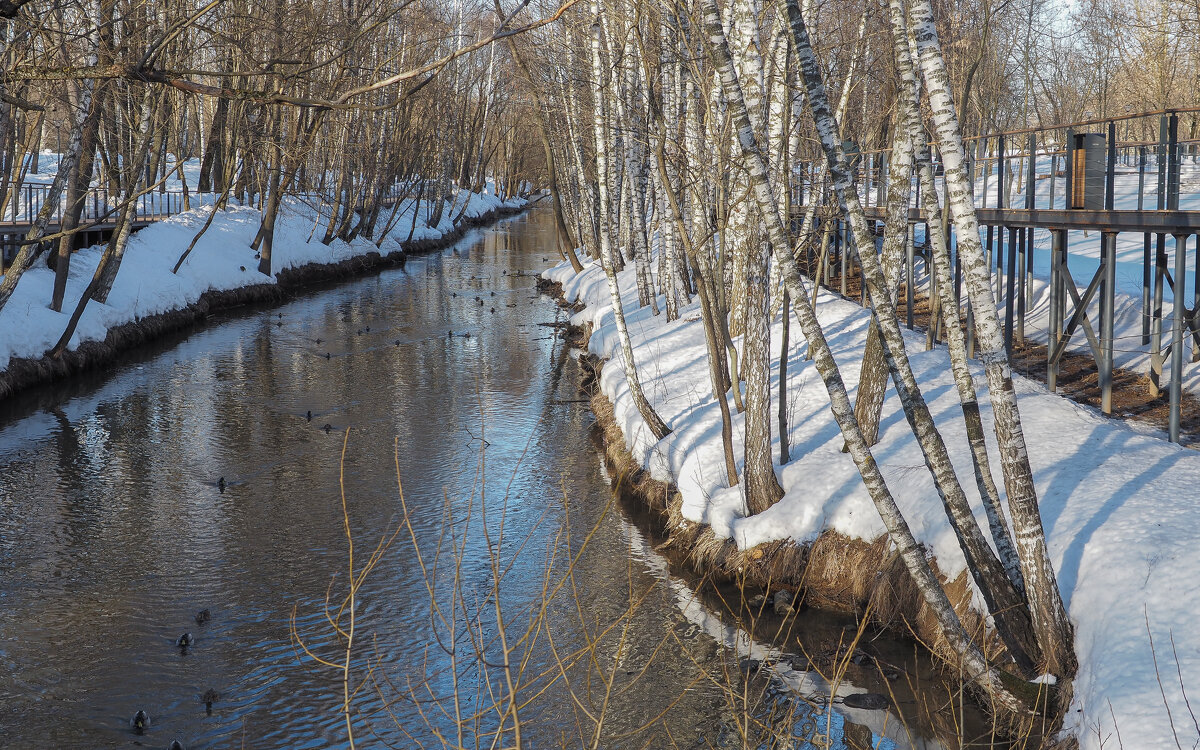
[(720, 156)]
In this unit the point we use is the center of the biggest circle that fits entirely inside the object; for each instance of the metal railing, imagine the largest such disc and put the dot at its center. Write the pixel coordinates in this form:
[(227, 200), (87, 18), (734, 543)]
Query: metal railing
[(99, 204)]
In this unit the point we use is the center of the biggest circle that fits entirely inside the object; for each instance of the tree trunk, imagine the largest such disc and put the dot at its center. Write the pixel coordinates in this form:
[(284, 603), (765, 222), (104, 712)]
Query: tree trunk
[(873, 377), (1004, 602), (31, 247), (1050, 622), (649, 415), (956, 340), (77, 189), (977, 668)]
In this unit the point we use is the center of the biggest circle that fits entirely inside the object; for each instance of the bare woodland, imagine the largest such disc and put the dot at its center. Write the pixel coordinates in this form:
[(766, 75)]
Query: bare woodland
[(694, 140)]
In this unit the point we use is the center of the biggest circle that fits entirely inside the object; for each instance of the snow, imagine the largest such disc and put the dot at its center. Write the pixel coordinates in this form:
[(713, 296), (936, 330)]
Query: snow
[(888, 730), (1119, 505), (221, 260), (1084, 255)]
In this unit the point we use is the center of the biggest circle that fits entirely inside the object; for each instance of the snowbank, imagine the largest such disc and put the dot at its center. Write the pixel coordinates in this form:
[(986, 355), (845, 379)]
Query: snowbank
[(221, 261), (1117, 504)]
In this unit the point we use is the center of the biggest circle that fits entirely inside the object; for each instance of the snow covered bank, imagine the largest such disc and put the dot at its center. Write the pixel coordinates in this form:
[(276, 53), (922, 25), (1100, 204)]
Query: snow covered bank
[(147, 298), (1117, 504)]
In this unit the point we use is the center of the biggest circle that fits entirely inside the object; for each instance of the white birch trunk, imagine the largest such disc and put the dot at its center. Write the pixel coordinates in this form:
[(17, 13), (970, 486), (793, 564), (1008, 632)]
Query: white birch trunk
[(905, 49), (977, 669), (1050, 621), (653, 421), (1004, 602)]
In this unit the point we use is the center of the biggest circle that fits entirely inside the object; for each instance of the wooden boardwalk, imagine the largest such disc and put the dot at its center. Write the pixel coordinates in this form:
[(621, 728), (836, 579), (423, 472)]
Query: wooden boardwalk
[(1085, 179)]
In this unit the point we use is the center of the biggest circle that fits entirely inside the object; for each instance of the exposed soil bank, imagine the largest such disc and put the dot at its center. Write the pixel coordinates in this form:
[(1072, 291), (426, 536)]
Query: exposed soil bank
[(23, 373), (833, 572)]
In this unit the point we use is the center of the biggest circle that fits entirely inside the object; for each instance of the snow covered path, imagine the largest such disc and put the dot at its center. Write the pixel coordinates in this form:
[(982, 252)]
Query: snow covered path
[(1084, 253), (1118, 504)]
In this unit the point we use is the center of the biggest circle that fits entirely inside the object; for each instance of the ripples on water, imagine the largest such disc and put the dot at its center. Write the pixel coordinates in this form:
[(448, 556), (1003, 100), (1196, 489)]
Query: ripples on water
[(114, 531)]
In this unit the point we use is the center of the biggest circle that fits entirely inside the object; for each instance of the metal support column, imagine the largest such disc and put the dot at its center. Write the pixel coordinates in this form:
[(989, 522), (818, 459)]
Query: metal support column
[(909, 286), (1156, 320), (1058, 252), (1108, 242), (1147, 254), (1177, 335), (1010, 290)]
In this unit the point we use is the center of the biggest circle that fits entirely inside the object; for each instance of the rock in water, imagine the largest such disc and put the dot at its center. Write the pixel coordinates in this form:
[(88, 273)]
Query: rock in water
[(749, 667), (782, 602), (867, 701)]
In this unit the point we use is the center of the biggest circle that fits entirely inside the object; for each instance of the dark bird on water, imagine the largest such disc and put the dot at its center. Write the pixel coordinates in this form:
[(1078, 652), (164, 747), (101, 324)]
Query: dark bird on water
[(185, 640), (328, 355), (140, 722), (396, 342), (210, 697), (453, 294), (202, 617), (176, 745), (318, 341), (493, 294), (328, 428), (308, 415), (493, 309), (221, 485)]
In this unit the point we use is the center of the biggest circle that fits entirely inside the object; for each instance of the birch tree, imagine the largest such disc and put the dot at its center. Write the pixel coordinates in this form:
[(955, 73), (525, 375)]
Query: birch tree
[(1050, 622), (599, 83), (978, 671)]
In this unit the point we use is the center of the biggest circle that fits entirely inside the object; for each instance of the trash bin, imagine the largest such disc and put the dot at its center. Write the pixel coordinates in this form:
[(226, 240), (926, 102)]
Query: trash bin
[(1088, 171)]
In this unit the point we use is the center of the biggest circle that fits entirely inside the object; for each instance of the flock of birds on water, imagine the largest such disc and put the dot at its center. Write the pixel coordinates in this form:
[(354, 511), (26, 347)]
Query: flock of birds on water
[(140, 723)]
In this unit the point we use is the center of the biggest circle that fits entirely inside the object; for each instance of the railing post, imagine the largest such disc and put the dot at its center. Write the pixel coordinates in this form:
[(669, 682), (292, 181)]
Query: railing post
[(971, 154), (1009, 289), (1156, 318), (881, 185), (1027, 244), (869, 174), (1031, 173), (1162, 162), (1193, 319), (1110, 175), (1173, 162), (1069, 170), (1000, 202)]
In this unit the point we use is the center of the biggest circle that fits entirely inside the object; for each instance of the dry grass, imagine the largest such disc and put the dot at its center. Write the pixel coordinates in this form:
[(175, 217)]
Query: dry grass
[(833, 572)]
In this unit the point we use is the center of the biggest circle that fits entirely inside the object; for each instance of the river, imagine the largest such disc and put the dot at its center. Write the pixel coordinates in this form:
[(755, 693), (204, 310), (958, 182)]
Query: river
[(203, 474)]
